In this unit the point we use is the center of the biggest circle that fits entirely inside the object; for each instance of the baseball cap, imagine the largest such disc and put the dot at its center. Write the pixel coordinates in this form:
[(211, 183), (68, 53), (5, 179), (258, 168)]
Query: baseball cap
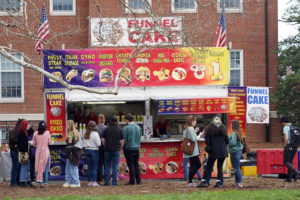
[(284, 119)]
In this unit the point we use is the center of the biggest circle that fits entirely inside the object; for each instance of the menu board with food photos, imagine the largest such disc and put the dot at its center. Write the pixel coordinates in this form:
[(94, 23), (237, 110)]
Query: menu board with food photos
[(56, 116), (197, 106), (154, 67)]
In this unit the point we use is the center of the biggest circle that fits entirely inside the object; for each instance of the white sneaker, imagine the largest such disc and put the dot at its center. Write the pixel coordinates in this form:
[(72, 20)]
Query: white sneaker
[(66, 185), (95, 185), (90, 184), (192, 185), (75, 186)]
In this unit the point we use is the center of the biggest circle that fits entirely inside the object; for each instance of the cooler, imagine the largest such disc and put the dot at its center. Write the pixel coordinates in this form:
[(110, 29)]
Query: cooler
[(270, 161)]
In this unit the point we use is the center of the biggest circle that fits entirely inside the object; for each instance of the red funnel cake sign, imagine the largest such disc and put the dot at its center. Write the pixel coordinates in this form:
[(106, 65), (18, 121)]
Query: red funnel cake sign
[(129, 32)]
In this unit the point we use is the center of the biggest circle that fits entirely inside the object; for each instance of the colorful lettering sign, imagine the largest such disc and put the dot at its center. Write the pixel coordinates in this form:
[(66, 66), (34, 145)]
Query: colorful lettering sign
[(132, 31), (56, 115), (257, 105), (240, 93), (196, 106), (155, 67)]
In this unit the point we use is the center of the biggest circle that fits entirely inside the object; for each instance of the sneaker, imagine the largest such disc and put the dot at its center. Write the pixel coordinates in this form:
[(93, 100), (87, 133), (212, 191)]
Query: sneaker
[(288, 180), (95, 185), (66, 185), (296, 176), (218, 184), (203, 184), (75, 186), (90, 184), (192, 185), (239, 185)]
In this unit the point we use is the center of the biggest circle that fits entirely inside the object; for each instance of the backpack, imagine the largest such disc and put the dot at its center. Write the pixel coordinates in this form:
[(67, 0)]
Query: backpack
[(295, 136)]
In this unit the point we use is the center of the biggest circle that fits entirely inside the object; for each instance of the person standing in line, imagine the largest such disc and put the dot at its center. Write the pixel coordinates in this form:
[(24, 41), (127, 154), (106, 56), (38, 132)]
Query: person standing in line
[(190, 133), (289, 151), (235, 150), (113, 141), (32, 150), (13, 145), (132, 142), (100, 129), (73, 152), (91, 142), (23, 149), (41, 139), (216, 140)]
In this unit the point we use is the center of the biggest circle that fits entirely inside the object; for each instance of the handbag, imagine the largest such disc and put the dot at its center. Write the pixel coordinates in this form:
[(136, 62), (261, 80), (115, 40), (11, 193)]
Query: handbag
[(22, 158), (208, 148), (187, 146), (246, 148)]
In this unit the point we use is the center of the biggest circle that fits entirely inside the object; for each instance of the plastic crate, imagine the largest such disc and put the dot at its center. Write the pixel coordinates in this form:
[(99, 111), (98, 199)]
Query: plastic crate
[(270, 161), (249, 170)]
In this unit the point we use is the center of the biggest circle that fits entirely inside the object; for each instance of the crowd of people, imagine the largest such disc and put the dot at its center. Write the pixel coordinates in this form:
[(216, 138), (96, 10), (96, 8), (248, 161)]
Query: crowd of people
[(102, 144), (29, 150)]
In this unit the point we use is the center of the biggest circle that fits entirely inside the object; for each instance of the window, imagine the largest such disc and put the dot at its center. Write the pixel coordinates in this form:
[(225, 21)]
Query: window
[(11, 80), (8, 7), (236, 68), (230, 6), (62, 7), (4, 136), (137, 6), (184, 6)]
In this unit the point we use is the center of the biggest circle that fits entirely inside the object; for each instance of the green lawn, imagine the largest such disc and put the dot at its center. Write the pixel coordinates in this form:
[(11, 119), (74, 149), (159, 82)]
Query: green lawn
[(201, 195)]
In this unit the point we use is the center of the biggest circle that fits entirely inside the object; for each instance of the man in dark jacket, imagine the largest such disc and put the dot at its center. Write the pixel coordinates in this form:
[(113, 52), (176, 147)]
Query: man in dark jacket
[(132, 142)]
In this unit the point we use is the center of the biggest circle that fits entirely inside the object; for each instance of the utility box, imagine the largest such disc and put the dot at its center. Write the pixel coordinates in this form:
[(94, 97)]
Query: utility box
[(270, 161)]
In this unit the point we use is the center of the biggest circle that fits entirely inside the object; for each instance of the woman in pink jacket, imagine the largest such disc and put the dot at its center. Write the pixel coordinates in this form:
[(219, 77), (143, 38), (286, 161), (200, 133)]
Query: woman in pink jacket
[(41, 139)]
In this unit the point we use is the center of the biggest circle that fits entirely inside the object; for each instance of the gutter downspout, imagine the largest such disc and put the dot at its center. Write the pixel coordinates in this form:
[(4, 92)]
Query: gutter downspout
[(267, 60)]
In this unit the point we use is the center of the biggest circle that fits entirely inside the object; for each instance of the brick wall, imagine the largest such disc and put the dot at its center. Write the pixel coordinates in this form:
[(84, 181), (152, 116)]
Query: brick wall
[(245, 30)]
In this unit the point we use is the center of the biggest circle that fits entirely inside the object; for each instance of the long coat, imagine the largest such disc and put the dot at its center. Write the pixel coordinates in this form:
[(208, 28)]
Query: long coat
[(218, 145), (42, 153)]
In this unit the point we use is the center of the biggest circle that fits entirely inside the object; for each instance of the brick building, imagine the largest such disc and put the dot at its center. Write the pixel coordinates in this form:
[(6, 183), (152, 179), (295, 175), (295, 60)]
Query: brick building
[(251, 27)]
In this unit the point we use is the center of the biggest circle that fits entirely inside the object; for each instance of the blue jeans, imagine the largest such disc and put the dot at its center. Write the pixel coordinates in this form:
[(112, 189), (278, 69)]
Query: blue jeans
[(14, 168), (235, 161), (25, 172), (92, 157), (111, 158), (186, 170), (45, 173), (72, 174)]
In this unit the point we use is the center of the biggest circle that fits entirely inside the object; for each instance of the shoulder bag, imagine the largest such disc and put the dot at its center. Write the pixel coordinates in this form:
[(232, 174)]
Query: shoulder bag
[(187, 145), (246, 148)]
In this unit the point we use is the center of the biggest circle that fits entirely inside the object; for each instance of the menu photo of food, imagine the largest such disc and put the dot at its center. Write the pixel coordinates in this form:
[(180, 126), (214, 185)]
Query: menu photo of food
[(142, 167), (88, 75), (106, 75), (162, 74), (57, 74), (55, 171), (55, 111), (198, 71), (157, 167), (171, 167), (258, 114), (161, 110), (71, 74), (217, 74), (179, 74), (143, 73), (124, 75), (123, 169)]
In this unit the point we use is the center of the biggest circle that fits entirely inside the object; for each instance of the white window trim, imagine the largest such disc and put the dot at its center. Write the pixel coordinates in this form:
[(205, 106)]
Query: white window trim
[(183, 10), (241, 65), (62, 13), (14, 100), (138, 11), (230, 10), (8, 13)]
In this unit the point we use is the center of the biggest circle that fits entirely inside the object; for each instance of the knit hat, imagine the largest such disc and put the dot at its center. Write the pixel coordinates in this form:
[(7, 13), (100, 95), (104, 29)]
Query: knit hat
[(217, 121)]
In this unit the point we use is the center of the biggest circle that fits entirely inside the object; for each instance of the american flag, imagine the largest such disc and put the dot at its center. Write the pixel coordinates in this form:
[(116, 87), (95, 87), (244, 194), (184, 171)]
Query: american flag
[(221, 32), (43, 31)]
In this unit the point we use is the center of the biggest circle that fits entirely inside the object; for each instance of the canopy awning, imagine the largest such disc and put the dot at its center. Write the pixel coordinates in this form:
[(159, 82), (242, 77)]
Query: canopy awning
[(142, 94)]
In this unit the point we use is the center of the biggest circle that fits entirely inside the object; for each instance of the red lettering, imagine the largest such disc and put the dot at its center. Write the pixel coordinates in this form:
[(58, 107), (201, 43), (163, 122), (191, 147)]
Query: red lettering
[(166, 23), (130, 23), (141, 24), (172, 36), (158, 37), (173, 23), (148, 24), (147, 37), (133, 35)]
